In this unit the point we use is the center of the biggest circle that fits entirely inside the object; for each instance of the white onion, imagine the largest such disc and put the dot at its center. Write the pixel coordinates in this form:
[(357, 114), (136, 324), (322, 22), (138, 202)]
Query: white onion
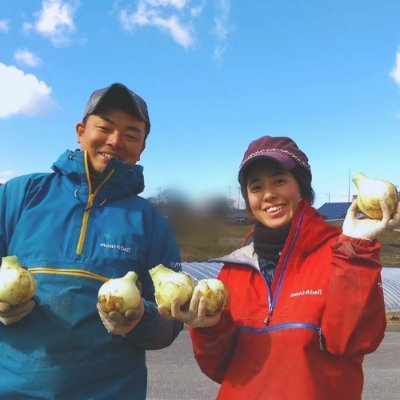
[(120, 294), (169, 284), (17, 284), (215, 294), (371, 191)]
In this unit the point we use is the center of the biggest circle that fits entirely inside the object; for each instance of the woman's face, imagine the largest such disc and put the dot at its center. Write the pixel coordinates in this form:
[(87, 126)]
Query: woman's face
[(273, 193)]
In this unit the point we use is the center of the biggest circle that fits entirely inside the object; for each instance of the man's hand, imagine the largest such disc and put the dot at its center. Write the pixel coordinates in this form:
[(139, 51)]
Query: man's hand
[(10, 314), (118, 323), (369, 229), (193, 315)]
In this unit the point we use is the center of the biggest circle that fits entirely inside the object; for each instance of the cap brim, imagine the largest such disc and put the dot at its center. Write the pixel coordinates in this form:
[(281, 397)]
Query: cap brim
[(284, 160)]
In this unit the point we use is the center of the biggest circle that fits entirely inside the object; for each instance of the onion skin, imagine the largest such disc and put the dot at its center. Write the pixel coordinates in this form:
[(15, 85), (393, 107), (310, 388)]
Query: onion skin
[(169, 284), (17, 284), (215, 293), (120, 294), (371, 191)]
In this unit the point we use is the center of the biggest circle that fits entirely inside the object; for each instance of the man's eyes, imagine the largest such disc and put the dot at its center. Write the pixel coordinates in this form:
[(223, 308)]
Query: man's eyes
[(132, 138), (103, 128)]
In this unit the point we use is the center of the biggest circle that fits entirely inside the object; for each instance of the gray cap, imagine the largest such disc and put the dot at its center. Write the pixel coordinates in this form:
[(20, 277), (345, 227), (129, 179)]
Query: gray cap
[(119, 96)]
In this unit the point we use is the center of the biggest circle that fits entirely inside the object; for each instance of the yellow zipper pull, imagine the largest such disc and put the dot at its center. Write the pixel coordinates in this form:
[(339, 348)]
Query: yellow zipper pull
[(90, 202)]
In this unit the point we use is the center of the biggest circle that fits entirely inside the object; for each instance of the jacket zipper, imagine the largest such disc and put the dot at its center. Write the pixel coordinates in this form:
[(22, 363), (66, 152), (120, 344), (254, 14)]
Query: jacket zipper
[(273, 301), (289, 325), (89, 204)]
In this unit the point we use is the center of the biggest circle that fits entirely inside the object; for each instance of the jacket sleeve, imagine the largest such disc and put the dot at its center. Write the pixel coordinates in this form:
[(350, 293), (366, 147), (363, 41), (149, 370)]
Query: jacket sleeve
[(354, 320), (154, 332), (213, 347), (12, 199)]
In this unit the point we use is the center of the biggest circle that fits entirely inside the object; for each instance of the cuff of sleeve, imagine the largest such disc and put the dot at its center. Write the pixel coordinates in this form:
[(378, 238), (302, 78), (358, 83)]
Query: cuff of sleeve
[(224, 324), (357, 241), (357, 250), (147, 323)]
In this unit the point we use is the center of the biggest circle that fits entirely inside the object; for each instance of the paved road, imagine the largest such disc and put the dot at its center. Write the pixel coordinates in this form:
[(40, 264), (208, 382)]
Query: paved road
[(174, 374)]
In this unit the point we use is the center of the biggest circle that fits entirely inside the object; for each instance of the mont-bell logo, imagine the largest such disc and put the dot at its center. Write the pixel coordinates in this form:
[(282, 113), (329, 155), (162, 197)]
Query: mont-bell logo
[(307, 292), (116, 247)]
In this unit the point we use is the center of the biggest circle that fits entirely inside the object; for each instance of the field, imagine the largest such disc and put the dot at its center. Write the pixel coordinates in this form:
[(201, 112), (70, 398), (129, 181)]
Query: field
[(201, 239)]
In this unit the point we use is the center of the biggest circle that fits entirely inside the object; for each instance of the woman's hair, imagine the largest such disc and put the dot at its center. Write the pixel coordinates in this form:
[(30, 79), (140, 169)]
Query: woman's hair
[(303, 178)]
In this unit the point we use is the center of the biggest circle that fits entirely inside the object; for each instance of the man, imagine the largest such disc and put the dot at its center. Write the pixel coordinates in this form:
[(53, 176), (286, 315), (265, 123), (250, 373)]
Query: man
[(74, 229)]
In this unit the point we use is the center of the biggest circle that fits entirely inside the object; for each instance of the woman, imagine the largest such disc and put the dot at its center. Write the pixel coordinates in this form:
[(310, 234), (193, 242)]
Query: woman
[(306, 299)]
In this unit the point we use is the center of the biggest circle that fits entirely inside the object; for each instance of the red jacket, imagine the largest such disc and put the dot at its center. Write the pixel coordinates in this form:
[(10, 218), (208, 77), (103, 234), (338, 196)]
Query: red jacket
[(306, 339)]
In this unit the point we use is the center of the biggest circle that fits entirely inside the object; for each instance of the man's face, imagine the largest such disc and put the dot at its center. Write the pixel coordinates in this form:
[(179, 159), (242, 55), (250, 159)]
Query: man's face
[(112, 133)]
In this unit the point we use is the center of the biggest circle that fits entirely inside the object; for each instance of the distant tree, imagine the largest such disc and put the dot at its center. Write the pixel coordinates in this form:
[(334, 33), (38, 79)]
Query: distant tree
[(219, 206), (171, 202)]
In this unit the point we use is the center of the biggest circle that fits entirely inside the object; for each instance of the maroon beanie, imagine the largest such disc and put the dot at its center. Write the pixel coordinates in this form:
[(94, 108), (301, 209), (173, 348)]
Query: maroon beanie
[(283, 150)]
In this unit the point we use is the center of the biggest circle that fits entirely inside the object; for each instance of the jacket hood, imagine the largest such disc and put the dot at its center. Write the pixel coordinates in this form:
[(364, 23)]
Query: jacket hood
[(125, 179)]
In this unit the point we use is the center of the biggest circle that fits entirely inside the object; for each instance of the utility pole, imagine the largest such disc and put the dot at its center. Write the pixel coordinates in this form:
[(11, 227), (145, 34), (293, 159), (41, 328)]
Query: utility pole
[(159, 194), (238, 203), (348, 195)]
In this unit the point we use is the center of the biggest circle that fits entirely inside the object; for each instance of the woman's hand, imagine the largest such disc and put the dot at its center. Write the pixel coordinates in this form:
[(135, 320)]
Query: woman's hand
[(369, 229), (194, 315)]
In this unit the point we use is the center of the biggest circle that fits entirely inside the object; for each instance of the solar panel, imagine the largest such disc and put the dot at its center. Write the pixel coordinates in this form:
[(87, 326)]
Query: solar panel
[(334, 211)]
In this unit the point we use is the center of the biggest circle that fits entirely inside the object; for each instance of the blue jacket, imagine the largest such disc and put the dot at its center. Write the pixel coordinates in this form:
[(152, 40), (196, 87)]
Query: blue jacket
[(73, 239)]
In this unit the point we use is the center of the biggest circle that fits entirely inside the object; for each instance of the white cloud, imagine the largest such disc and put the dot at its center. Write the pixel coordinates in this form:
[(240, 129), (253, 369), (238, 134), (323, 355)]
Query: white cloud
[(26, 57), (196, 11), (222, 28), (22, 93), (180, 34), (395, 73), (153, 13), (4, 25), (179, 18), (179, 4), (55, 21), (6, 175)]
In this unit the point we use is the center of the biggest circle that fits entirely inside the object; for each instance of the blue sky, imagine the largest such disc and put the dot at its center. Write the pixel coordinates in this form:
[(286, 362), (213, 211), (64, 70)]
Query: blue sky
[(216, 75)]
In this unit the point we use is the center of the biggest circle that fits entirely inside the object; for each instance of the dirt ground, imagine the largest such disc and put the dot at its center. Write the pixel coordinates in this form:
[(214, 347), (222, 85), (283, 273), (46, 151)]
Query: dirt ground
[(393, 321)]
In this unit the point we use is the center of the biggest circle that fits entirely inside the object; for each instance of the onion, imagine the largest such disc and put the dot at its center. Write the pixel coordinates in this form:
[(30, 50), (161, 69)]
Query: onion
[(371, 191), (215, 293), (17, 284), (120, 294), (169, 284)]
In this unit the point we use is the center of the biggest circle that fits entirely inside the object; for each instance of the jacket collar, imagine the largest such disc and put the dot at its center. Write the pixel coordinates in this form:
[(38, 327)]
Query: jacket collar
[(309, 230), (124, 179)]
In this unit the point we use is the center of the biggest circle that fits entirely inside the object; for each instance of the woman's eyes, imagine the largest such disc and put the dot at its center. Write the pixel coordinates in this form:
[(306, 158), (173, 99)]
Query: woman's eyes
[(254, 188), (276, 182)]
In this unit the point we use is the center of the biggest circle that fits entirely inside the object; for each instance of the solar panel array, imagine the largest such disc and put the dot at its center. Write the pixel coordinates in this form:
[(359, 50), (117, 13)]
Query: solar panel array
[(390, 280), (391, 288), (334, 211)]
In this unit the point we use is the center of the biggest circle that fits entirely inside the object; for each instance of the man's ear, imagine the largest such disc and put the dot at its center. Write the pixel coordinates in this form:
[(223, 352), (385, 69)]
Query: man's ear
[(80, 129)]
